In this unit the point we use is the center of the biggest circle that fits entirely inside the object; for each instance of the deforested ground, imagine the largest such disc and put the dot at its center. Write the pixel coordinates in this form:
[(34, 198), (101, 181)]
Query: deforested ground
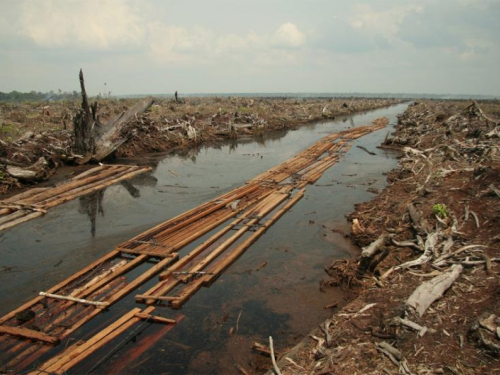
[(40, 137), (426, 295)]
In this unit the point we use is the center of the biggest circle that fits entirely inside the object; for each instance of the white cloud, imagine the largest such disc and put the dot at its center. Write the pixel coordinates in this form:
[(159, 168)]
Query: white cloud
[(289, 35), (89, 24), (198, 46), (384, 22)]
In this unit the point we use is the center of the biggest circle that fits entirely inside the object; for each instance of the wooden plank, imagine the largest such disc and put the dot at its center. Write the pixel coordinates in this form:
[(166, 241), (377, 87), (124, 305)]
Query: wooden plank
[(73, 299), (66, 187), (23, 219), (155, 318), (182, 220), (56, 358), (153, 271), (122, 270), (62, 284), (29, 334), (271, 202), (88, 189), (81, 352)]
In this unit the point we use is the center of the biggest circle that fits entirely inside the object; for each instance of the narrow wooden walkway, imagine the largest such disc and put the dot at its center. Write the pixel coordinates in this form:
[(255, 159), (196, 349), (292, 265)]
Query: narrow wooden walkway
[(35, 202), (186, 252)]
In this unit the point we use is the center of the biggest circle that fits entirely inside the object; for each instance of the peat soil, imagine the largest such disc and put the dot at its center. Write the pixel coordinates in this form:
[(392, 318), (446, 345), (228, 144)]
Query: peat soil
[(438, 220), (39, 137)]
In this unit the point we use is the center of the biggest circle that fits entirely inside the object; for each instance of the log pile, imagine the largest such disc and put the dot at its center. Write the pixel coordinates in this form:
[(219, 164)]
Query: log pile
[(35, 202), (236, 220)]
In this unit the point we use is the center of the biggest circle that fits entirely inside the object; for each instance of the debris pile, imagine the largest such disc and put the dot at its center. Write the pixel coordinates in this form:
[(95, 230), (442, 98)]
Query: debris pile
[(428, 275)]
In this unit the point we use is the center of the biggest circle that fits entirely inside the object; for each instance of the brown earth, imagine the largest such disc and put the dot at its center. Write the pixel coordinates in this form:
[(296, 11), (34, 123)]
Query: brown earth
[(31, 131), (449, 172)]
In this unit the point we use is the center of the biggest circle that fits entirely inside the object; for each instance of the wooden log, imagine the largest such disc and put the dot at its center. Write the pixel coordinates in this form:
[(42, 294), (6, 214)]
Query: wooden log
[(22, 219), (155, 318), (270, 204), (20, 196), (431, 290), (144, 342), (13, 216), (235, 253), (137, 282), (190, 216), (371, 249), (96, 279), (35, 172), (259, 232), (73, 299), (81, 352), (49, 193), (202, 247), (109, 276), (89, 172), (60, 285), (114, 135), (29, 334), (141, 297), (86, 190)]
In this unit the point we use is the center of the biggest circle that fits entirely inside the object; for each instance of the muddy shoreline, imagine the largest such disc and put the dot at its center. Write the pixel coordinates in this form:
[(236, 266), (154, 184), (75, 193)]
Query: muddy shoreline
[(449, 175)]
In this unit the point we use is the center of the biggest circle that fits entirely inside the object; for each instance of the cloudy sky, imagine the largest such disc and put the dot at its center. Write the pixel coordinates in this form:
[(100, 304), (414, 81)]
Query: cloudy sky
[(216, 46)]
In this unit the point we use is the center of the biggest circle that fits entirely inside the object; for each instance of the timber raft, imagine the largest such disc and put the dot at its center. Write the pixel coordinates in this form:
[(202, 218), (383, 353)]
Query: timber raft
[(44, 335), (35, 202)]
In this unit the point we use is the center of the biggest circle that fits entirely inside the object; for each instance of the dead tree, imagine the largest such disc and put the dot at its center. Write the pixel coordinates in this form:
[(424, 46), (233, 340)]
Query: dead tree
[(95, 141), (83, 125)]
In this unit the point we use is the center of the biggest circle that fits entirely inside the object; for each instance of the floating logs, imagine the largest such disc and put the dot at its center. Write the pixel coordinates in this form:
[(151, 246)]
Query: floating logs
[(35, 202), (225, 228)]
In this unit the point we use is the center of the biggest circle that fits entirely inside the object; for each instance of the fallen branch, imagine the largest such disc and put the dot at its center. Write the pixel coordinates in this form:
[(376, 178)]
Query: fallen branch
[(371, 249), (495, 190), (273, 359), (431, 290), (429, 246)]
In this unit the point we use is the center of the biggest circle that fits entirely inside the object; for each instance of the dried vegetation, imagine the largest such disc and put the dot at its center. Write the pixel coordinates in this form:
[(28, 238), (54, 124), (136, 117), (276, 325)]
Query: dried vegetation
[(427, 279), (37, 138)]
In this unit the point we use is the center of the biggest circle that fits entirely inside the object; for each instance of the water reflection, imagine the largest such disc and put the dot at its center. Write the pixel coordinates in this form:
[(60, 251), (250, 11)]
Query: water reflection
[(92, 204)]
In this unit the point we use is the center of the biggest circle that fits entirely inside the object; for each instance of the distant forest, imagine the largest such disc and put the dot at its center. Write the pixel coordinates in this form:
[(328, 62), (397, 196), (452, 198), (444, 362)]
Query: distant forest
[(33, 96)]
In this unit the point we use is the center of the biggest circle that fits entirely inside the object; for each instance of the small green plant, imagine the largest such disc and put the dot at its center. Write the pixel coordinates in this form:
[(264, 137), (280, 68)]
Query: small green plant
[(440, 210)]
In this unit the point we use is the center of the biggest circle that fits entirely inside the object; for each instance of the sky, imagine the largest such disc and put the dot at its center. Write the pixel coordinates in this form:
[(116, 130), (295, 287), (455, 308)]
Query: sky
[(256, 46)]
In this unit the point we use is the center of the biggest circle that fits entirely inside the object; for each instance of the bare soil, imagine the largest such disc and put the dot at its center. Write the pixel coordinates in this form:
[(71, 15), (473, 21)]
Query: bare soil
[(31, 131), (449, 171)]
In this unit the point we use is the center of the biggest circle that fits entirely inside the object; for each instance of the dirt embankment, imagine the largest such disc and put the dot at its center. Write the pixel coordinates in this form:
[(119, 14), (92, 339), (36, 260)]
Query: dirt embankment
[(438, 223), (39, 136)]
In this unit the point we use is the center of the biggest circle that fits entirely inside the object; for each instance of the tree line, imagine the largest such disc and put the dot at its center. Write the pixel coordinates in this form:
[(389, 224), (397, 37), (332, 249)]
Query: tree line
[(16, 96)]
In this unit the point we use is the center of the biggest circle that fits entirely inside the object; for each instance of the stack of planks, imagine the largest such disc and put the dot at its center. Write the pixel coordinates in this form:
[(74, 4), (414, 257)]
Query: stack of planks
[(35, 202), (187, 252)]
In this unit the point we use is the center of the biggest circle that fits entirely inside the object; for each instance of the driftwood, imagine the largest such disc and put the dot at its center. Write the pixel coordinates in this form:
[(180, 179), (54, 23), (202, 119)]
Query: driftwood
[(431, 290)]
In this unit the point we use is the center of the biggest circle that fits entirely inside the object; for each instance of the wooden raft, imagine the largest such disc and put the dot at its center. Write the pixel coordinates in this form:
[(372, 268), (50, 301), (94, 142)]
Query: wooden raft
[(35, 202), (186, 252)]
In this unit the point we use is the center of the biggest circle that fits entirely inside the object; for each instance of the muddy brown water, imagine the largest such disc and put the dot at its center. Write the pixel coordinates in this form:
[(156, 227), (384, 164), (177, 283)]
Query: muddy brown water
[(272, 290)]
